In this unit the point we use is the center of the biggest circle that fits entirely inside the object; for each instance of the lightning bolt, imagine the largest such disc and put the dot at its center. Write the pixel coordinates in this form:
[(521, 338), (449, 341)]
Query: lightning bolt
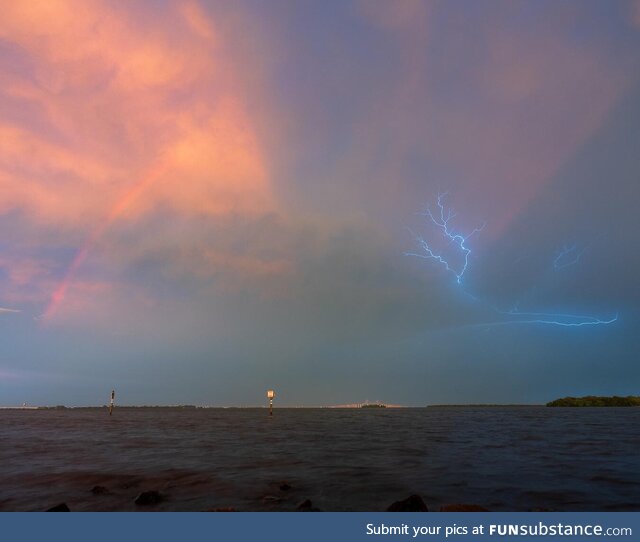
[(565, 320), (442, 223), (566, 257)]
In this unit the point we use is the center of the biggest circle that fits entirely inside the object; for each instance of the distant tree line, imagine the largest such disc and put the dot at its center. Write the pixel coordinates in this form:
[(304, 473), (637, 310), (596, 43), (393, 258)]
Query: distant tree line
[(595, 401)]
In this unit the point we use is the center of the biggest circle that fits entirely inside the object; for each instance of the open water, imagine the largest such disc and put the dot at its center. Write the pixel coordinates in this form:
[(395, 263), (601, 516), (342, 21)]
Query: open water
[(502, 458)]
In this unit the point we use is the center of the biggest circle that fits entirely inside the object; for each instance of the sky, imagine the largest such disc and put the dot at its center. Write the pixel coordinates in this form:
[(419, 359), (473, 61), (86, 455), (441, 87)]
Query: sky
[(408, 202)]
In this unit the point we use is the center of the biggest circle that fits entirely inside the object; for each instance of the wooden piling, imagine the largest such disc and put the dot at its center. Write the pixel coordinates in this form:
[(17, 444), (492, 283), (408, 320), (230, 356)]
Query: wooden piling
[(270, 395)]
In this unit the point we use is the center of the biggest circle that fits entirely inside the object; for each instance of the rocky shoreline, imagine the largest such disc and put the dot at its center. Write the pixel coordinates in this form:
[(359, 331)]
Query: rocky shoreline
[(149, 500)]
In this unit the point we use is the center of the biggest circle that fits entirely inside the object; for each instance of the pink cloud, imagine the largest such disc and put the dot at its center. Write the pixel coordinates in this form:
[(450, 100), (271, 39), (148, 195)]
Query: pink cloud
[(497, 121), (28, 280), (395, 16), (635, 13), (139, 90), (539, 98), (147, 113)]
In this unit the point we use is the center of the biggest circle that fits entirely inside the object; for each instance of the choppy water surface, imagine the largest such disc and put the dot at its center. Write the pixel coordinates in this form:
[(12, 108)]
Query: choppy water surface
[(342, 459)]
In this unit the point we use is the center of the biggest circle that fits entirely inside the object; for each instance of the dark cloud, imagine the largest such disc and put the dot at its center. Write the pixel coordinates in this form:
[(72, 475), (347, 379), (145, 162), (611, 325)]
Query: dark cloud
[(272, 252)]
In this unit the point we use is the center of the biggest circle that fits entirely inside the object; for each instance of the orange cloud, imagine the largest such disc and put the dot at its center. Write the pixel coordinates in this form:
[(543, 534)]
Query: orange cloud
[(114, 91), (127, 114)]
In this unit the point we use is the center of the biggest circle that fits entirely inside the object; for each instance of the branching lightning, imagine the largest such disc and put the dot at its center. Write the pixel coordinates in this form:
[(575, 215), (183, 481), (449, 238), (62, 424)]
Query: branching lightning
[(442, 223), (566, 257)]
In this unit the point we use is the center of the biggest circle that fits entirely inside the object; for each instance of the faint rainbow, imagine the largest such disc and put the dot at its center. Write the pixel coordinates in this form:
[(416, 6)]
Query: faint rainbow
[(58, 295)]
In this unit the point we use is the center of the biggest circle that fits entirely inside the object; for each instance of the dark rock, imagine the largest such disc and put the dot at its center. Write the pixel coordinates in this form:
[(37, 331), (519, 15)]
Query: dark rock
[(224, 509), (307, 506), (149, 498), (62, 507), (284, 486), (414, 503), (462, 508), (271, 498), (99, 490)]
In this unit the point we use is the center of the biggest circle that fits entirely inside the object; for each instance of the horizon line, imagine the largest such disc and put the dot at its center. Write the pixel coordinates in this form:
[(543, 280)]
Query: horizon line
[(192, 406)]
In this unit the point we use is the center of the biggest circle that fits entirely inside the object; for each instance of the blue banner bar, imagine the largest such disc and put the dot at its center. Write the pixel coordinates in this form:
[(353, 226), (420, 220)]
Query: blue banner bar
[(332, 526)]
